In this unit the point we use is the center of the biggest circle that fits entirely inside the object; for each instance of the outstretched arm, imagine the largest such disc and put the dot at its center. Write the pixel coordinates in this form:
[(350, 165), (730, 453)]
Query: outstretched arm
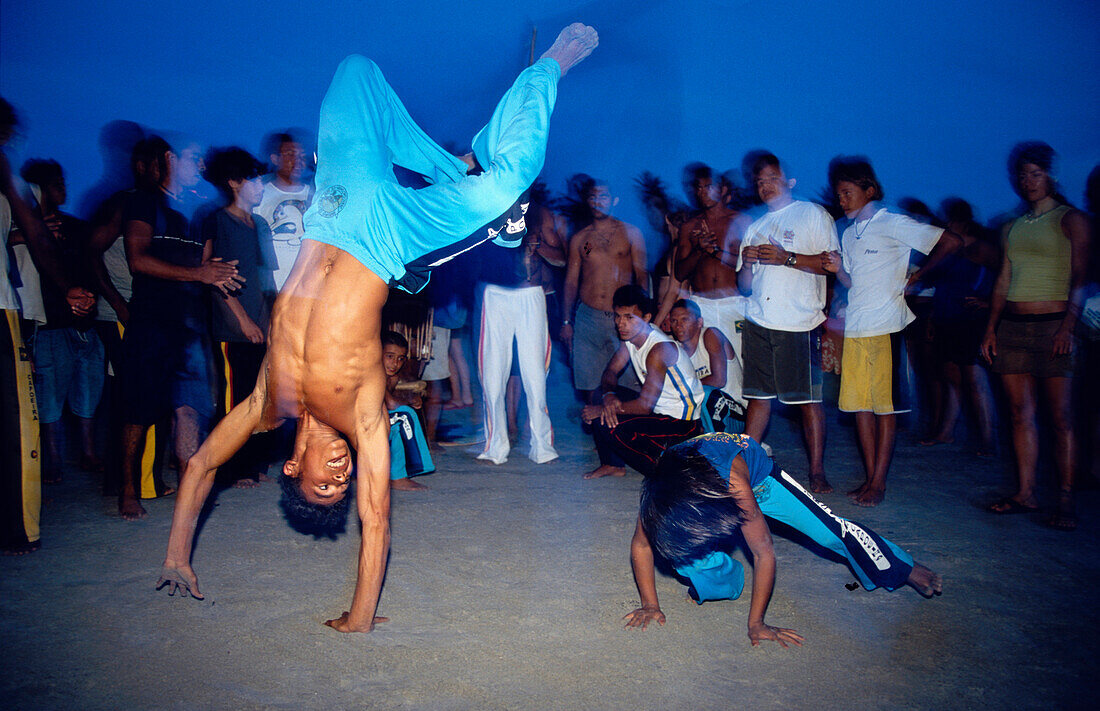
[(196, 481), (759, 540), (641, 561), (372, 499)]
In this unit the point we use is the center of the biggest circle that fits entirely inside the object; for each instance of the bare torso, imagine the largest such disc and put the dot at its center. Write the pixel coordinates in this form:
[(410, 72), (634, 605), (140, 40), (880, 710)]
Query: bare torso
[(324, 353), (607, 250), (713, 276)]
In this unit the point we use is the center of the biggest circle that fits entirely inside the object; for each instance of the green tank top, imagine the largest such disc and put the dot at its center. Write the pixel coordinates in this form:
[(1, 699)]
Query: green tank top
[(1039, 253)]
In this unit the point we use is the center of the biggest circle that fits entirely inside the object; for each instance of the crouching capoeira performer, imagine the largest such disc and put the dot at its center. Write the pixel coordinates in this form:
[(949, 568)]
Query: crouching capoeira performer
[(711, 488), (364, 233)]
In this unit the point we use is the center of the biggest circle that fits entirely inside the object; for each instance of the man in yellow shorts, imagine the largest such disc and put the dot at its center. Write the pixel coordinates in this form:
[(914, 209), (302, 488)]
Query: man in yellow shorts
[(873, 260)]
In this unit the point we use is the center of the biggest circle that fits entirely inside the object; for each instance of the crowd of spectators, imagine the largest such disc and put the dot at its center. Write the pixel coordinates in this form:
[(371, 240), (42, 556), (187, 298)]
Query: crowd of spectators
[(152, 316)]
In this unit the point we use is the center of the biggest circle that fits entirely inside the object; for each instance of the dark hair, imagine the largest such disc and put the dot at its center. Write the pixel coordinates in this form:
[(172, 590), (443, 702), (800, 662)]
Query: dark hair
[(312, 519), (591, 184), (686, 508), (1034, 152), (273, 142), (955, 209), (689, 305), (393, 338), (1037, 153), (9, 119), (918, 210), (857, 170), (233, 163), (152, 152), (41, 171), (633, 295), (758, 161)]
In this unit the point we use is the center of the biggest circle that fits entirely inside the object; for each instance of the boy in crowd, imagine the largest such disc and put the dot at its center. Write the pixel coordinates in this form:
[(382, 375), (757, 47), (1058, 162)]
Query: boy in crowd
[(872, 263), (240, 320), (286, 196), (409, 455), (781, 272)]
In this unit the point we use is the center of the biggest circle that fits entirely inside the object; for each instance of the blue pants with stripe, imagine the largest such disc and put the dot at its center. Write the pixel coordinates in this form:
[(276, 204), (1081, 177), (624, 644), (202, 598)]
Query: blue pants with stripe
[(409, 455), (876, 561), (400, 233)]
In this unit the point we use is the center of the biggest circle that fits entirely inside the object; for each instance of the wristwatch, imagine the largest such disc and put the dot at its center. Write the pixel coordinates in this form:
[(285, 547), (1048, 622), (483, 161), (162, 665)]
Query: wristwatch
[(791, 258)]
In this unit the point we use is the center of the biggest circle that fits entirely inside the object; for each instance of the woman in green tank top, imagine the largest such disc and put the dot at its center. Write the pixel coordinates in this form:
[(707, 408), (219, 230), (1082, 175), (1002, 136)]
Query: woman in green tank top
[(1029, 338)]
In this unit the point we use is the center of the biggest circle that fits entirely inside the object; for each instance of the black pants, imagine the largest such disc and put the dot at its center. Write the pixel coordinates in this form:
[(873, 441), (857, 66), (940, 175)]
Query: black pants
[(236, 367), (639, 440)]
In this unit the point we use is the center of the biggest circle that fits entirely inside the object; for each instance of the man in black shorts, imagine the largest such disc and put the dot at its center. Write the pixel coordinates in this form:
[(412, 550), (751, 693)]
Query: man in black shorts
[(780, 269)]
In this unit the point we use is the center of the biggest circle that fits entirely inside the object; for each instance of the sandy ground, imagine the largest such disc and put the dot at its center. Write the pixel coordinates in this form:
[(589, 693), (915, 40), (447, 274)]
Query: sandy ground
[(505, 590)]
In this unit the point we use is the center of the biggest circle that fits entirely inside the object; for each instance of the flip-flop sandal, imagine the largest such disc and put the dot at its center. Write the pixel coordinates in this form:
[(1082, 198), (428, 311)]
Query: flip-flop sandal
[(1009, 505)]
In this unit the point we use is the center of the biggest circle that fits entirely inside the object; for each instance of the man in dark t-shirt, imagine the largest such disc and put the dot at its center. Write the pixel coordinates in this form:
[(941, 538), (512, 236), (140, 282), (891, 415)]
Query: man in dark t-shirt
[(166, 364)]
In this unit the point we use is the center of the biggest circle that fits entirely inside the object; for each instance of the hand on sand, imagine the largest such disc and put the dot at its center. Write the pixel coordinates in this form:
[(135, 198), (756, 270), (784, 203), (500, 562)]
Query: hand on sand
[(340, 624), (181, 579), (643, 616), (573, 44), (761, 631)]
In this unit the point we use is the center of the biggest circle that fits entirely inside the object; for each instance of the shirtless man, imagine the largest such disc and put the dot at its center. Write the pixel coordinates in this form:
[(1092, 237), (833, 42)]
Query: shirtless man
[(604, 256), (365, 232), (706, 258)]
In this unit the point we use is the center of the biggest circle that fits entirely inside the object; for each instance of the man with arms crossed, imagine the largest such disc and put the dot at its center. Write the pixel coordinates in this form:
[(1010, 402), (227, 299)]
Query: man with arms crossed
[(781, 271), (365, 232)]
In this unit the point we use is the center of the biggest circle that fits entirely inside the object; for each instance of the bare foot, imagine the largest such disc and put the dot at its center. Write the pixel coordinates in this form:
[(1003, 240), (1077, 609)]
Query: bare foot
[(858, 491), (130, 509), (820, 485), (870, 497), (605, 470), (21, 549), (455, 405), (246, 483), (933, 441), (406, 484), (926, 582), (262, 478), (573, 44)]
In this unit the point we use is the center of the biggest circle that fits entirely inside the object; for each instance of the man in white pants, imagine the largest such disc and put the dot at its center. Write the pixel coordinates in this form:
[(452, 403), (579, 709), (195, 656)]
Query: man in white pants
[(513, 306)]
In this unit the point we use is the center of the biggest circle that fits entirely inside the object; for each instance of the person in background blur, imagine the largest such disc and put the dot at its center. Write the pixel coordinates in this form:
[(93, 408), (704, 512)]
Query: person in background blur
[(960, 310), (240, 319), (68, 354), (285, 199)]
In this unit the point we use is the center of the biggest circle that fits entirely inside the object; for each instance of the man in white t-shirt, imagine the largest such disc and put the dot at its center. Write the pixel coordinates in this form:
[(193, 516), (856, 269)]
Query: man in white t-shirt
[(781, 270), (285, 199), (872, 263)]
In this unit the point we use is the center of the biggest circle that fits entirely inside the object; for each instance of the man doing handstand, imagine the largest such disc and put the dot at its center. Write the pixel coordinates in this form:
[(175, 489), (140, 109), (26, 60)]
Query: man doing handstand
[(364, 233)]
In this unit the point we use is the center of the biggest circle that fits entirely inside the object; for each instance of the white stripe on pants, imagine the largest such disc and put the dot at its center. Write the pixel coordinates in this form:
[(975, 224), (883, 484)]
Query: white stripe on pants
[(521, 314)]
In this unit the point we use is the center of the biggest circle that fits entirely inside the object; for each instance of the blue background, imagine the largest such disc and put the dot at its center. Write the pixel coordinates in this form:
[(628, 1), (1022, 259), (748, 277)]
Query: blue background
[(935, 93)]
